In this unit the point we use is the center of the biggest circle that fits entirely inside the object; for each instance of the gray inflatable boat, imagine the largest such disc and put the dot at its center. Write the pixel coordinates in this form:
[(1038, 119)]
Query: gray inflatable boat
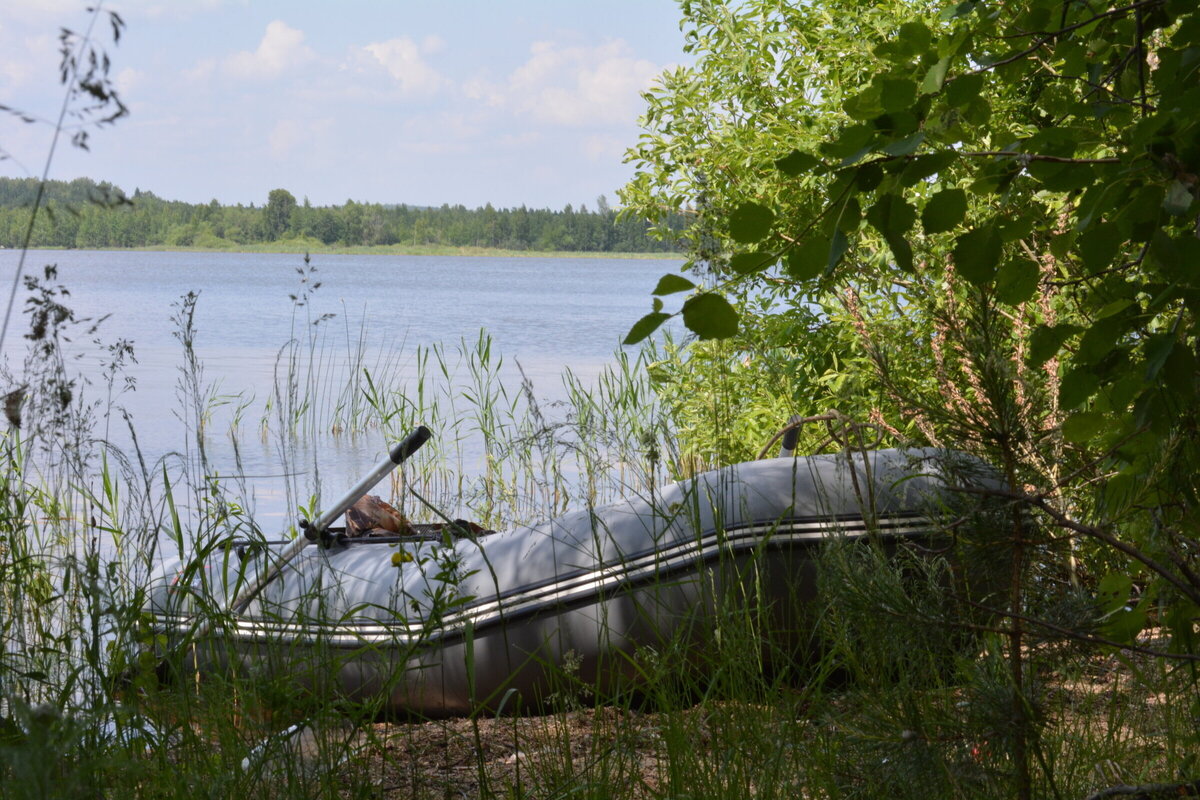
[(437, 626)]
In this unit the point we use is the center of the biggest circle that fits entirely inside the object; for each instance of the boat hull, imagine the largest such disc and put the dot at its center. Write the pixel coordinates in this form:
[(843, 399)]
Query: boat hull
[(590, 601)]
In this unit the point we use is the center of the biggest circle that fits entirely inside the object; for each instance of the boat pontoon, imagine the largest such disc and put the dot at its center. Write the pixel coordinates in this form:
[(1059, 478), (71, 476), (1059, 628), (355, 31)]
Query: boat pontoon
[(441, 624)]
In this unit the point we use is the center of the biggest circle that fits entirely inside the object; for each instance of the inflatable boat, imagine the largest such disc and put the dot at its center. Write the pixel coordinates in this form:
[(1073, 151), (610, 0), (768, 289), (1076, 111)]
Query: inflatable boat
[(446, 624)]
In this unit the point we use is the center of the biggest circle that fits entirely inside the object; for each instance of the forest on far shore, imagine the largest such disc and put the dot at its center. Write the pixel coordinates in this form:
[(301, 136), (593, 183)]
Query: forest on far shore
[(87, 214)]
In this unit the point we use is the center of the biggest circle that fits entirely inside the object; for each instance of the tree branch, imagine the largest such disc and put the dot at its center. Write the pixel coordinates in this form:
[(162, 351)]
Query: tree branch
[(1038, 157), (1070, 634), (1050, 36), (1191, 592)]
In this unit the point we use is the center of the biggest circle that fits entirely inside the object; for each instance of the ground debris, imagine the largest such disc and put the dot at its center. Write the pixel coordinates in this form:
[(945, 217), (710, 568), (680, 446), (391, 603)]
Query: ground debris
[(517, 755)]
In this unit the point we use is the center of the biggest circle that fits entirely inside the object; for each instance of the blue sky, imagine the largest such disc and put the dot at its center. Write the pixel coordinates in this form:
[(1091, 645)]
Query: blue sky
[(415, 101)]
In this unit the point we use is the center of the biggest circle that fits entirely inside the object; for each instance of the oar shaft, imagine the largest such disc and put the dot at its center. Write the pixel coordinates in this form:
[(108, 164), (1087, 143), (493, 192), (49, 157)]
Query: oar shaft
[(313, 530), (396, 457)]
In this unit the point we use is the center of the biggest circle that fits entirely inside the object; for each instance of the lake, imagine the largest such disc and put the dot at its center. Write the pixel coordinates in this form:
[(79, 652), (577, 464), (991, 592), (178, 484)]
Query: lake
[(546, 314)]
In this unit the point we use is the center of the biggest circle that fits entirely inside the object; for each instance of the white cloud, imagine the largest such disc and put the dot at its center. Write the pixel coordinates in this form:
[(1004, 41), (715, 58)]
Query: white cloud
[(405, 61), (282, 49), (484, 90), (128, 80), (14, 72), (202, 70), (22, 60), (574, 85)]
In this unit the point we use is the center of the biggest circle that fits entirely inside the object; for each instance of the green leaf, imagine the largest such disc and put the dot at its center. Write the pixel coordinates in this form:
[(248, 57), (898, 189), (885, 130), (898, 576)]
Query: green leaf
[(905, 146), (1180, 620), (1017, 225), (959, 10), (1178, 376), (1083, 426), (796, 163), (1115, 307), (935, 77), (1176, 259), (922, 167), (963, 89), (1112, 593), (1100, 339), (1061, 244), (1017, 281), (893, 217), (892, 214), (849, 216), (1076, 387), (838, 246), (865, 105), (750, 222), (944, 211), (1059, 177), (645, 326), (670, 284), (710, 316), (1158, 349), (1126, 624), (1178, 199), (1047, 340), (914, 37), (851, 144), (994, 176), (749, 263), (901, 252), (976, 254), (808, 259), (1035, 19), (867, 177), (897, 94)]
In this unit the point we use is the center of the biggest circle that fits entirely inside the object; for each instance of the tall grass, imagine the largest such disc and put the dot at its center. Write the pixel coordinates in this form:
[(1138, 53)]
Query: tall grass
[(81, 530)]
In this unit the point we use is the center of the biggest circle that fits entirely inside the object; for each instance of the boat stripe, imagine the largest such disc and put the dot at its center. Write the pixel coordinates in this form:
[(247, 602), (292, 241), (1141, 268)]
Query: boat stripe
[(567, 590)]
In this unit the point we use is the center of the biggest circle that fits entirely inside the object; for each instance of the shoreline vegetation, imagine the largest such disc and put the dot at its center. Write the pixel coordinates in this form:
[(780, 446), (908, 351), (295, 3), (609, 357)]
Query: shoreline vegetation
[(89, 215), (300, 247)]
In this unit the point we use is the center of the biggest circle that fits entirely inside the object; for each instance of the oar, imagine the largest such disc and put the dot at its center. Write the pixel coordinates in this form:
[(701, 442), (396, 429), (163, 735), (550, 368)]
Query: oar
[(315, 530)]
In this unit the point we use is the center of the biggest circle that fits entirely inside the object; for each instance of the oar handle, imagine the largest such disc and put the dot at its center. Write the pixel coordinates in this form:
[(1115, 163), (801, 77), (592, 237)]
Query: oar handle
[(396, 456), (411, 444)]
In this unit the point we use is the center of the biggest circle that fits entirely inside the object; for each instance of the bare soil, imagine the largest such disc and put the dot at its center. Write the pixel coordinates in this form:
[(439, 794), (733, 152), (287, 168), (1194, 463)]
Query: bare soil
[(514, 755)]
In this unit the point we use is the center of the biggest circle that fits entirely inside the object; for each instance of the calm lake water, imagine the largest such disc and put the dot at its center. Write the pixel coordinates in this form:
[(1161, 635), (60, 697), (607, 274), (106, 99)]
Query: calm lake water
[(545, 313)]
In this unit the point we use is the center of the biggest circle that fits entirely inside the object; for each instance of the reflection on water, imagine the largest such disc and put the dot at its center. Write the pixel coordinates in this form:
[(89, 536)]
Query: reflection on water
[(254, 323)]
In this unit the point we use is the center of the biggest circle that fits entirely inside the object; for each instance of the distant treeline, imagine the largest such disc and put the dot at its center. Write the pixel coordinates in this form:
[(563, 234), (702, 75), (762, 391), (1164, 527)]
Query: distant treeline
[(85, 214)]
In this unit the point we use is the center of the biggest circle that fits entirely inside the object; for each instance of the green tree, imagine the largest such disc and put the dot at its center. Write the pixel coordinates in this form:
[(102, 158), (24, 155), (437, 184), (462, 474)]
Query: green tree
[(994, 206), (277, 215)]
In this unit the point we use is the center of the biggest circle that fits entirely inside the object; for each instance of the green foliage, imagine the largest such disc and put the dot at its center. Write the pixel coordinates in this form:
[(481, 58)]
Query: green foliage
[(277, 216), (86, 214), (1043, 313)]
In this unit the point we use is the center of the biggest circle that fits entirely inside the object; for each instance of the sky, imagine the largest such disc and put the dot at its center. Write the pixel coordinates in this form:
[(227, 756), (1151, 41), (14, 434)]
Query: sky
[(422, 102)]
